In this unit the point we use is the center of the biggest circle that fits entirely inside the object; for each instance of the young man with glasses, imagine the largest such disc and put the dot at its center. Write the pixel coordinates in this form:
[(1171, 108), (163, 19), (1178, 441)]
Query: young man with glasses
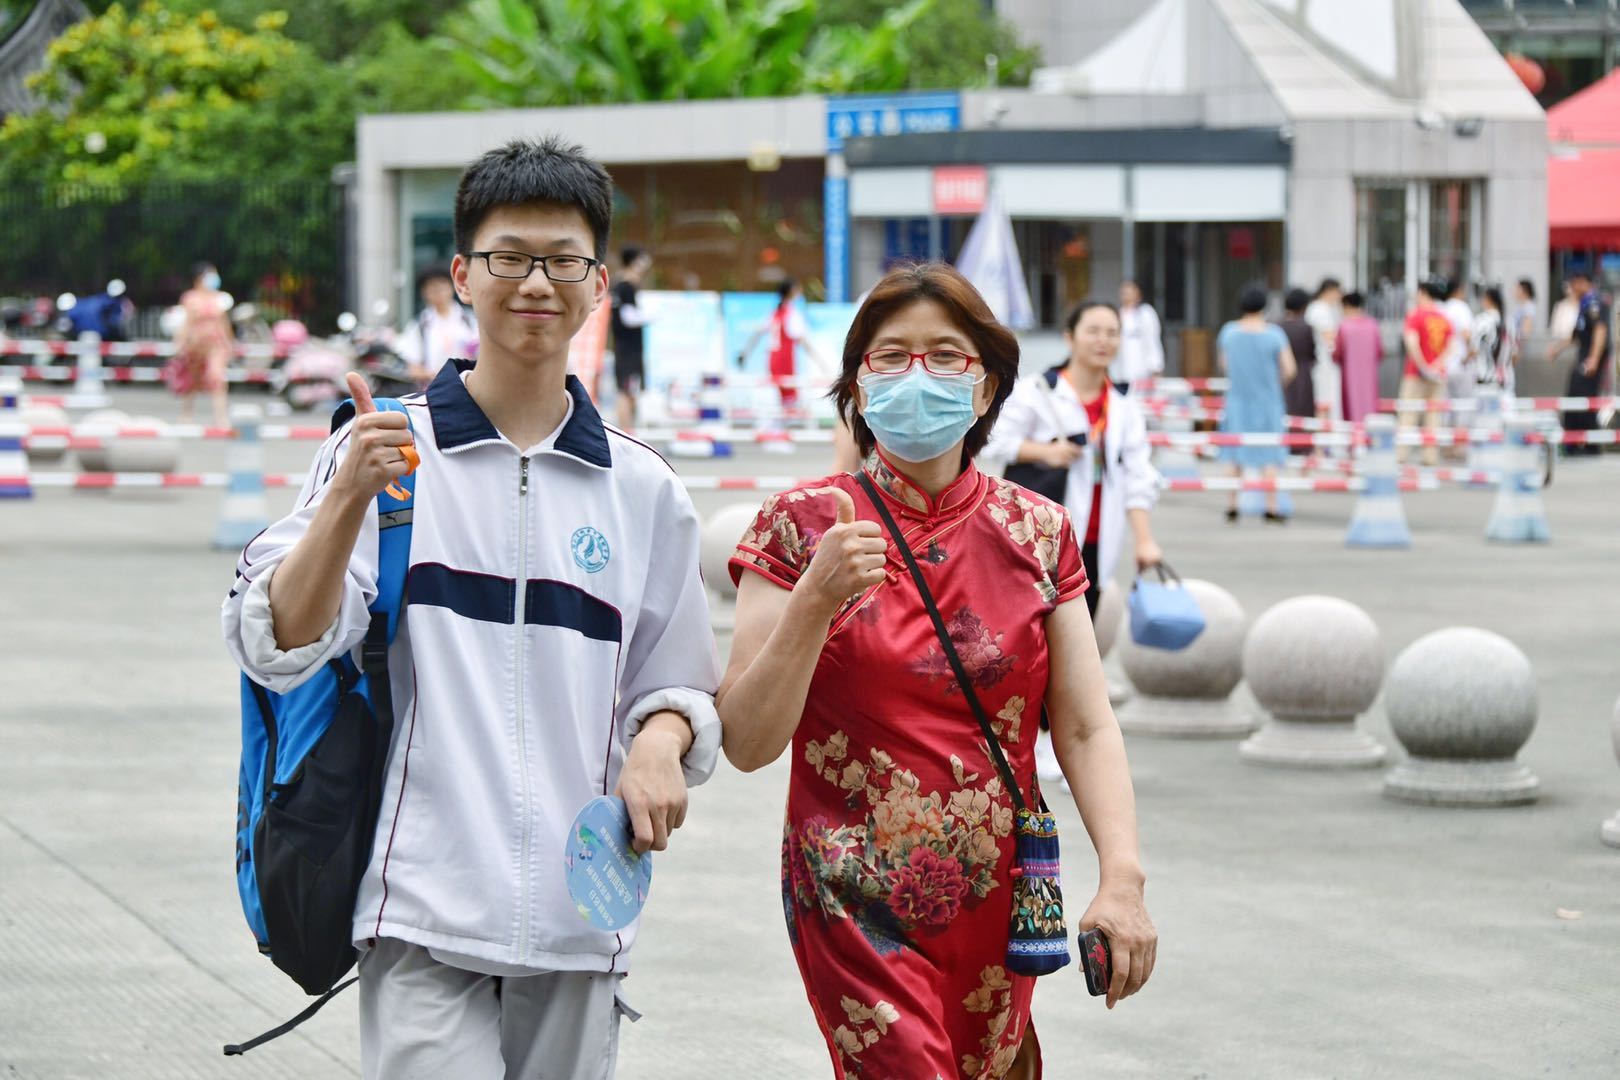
[(545, 657)]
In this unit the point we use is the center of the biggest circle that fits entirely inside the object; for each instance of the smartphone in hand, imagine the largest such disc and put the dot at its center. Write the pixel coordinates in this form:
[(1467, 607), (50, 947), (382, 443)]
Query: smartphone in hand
[(1096, 961)]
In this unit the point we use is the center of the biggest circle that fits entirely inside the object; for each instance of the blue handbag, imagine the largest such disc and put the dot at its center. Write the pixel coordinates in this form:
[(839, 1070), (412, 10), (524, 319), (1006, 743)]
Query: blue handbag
[(1164, 615)]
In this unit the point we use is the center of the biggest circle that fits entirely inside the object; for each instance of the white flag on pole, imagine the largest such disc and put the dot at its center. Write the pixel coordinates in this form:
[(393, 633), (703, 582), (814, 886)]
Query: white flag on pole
[(989, 259)]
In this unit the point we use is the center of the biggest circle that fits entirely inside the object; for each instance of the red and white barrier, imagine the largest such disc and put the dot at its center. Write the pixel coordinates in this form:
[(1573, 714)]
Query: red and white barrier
[(144, 349), (104, 481), (124, 374)]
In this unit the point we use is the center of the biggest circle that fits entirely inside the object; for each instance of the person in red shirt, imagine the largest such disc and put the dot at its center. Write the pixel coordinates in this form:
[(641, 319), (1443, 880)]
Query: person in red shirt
[(1428, 335)]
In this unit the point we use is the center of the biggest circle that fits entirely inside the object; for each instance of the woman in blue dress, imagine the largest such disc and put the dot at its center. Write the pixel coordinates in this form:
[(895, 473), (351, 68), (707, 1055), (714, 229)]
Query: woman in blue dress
[(1258, 363)]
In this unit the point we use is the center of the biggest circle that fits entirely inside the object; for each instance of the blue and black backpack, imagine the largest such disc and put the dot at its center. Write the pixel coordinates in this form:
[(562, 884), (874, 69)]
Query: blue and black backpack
[(314, 761)]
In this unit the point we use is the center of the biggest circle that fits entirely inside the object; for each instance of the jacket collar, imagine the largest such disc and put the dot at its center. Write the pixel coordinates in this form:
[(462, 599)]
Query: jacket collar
[(458, 422)]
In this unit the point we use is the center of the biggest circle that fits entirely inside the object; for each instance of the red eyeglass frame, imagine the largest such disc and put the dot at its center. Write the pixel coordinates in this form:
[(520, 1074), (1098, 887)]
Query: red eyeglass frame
[(916, 358)]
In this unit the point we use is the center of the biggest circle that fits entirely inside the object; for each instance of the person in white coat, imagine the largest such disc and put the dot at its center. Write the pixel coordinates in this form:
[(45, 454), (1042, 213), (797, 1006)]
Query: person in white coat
[(1140, 354), (1071, 417)]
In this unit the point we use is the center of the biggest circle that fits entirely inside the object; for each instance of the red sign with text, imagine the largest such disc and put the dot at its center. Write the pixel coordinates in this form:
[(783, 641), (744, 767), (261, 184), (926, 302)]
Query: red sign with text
[(960, 189)]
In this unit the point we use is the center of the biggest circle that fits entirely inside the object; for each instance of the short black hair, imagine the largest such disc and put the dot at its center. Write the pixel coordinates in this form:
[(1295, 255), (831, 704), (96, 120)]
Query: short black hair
[(1078, 312), (1580, 275), (432, 273), (630, 254), (785, 290), (1354, 299), (1528, 286), (199, 269), (1252, 300), (1296, 301), (1434, 288), (1328, 283), (525, 171)]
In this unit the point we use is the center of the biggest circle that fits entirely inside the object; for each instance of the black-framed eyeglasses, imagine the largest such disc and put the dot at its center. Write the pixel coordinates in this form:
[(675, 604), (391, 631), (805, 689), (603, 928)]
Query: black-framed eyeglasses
[(518, 265)]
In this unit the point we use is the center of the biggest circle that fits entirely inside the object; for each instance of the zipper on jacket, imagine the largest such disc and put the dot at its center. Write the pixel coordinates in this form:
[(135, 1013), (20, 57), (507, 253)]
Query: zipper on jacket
[(517, 666)]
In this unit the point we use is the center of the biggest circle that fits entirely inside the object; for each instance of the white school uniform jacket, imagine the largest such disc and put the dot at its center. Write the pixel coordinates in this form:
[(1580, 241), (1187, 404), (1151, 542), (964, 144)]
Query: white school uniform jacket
[(1040, 410), (553, 603)]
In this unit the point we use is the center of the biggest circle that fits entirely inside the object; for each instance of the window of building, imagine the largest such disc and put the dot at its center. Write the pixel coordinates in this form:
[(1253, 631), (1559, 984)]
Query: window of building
[(1407, 230)]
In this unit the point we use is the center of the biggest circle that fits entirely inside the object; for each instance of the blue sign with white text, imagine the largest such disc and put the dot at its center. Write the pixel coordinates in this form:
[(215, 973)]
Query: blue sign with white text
[(891, 114)]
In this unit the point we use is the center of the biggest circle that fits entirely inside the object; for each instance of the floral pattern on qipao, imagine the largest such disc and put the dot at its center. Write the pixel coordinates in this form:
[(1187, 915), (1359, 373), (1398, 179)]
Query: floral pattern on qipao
[(993, 999), (977, 645), (1035, 525), (915, 861)]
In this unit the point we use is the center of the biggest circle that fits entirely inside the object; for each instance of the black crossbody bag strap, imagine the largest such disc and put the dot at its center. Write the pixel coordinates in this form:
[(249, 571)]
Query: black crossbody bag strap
[(945, 642)]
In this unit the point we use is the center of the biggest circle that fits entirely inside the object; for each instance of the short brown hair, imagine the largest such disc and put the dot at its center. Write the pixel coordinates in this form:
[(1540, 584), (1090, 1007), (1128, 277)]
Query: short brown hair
[(901, 287)]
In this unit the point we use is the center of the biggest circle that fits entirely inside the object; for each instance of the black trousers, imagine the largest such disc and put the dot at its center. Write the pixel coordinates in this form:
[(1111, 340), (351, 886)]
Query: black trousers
[(1088, 559), (1583, 385)]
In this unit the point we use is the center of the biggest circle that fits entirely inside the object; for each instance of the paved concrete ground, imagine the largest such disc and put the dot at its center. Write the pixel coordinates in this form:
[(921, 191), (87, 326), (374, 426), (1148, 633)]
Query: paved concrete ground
[(1310, 928)]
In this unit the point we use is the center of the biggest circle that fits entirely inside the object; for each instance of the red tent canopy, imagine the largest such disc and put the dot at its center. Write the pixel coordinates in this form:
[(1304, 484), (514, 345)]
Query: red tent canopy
[(1583, 174), (1591, 116), (1583, 199)]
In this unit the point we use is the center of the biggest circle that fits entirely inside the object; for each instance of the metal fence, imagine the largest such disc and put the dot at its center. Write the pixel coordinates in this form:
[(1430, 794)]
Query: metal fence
[(280, 245)]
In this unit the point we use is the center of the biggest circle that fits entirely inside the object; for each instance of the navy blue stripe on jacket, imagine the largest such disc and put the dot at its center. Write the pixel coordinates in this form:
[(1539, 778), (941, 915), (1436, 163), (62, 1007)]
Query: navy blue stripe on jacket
[(487, 598)]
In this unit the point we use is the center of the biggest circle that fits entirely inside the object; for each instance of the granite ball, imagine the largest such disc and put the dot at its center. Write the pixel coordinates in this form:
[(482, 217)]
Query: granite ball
[(1210, 668), (719, 541), (94, 460), (1314, 657), (35, 415), (144, 453), (1110, 614), (1462, 694)]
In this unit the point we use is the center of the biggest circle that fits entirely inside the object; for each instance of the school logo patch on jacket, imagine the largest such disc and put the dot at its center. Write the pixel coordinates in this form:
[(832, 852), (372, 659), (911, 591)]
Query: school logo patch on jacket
[(591, 550)]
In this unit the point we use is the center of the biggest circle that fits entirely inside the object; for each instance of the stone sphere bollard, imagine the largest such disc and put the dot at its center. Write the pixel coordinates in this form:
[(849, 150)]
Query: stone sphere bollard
[(1110, 616), (1611, 828), (719, 540), (1314, 663), (94, 460), (1186, 693), (144, 453), (51, 449), (1462, 702)]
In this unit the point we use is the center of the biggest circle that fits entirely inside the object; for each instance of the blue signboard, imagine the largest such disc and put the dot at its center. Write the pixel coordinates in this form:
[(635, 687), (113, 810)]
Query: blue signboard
[(835, 237), (856, 116), (891, 114)]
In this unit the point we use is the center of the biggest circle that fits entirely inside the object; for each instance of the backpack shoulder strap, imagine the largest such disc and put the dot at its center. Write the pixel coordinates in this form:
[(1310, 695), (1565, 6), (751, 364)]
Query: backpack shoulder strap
[(393, 535)]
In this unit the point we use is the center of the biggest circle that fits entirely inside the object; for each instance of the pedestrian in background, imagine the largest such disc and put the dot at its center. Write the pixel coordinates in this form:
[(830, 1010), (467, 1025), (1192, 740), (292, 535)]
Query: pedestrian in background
[(1427, 336), (1258, 363), (1492, 347), (630, 334), (898, 854), (1358, 350), (787, 332), (443, 330), (1460, 375), (1141, 339), (1299, 395), (1561, 319), (1523, 320), (1071, 417), (204, 344), (1324, 313), (1590, 336)]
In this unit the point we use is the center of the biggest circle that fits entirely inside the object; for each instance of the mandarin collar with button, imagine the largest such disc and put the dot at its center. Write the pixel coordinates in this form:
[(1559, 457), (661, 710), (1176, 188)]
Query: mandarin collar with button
[(458, 422), (913, 500)]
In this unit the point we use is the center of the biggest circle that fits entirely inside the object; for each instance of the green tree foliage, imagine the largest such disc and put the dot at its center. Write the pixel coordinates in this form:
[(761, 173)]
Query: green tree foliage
[(947, 49), (137, 95), (561, 52)]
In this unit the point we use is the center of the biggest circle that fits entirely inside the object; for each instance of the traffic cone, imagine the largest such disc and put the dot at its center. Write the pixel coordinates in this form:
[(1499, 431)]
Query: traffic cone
[(89, 392), (244, 512), (1519, 516), (1379, 520), (14, 481)]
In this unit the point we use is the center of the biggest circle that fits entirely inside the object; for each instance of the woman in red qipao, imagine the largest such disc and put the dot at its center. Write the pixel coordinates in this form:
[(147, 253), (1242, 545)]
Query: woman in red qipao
[(897, 853)]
